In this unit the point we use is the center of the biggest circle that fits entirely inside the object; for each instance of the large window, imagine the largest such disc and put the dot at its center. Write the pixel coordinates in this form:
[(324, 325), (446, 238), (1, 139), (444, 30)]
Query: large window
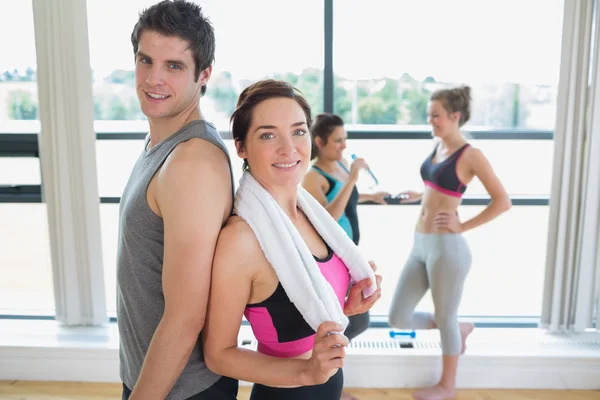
[(511, 89), (25, 263), (388, 62), (385, 66)]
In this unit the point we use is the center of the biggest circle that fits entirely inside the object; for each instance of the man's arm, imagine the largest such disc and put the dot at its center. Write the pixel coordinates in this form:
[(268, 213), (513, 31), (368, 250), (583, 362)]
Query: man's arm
[(193, 194)]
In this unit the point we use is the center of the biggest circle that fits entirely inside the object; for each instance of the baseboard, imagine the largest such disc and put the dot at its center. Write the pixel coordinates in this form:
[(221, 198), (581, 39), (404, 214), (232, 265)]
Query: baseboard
[(491, 372), (47, 364), (513, 360), (365, 371)]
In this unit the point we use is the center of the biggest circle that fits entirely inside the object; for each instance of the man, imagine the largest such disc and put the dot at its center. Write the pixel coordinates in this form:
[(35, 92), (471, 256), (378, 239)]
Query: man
[(178, 196)]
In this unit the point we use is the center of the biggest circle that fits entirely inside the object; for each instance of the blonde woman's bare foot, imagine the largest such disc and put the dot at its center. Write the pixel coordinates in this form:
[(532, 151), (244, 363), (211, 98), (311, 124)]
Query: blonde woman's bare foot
[(465, 330), (348, 396), (438, 392)]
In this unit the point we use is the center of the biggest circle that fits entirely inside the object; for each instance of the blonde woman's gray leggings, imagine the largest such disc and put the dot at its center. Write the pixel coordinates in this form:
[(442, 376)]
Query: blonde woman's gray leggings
[(440, 262)]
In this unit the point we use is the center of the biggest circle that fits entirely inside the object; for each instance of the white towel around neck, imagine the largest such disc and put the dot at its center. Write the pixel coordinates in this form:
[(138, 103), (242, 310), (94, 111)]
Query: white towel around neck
[(289, 255)]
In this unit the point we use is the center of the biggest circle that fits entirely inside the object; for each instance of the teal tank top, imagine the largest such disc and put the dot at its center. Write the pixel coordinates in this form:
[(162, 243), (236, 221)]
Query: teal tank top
[(336, 186)]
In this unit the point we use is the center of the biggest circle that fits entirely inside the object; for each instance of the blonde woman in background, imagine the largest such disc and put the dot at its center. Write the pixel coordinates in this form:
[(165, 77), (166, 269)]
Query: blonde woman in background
[(440, 258)]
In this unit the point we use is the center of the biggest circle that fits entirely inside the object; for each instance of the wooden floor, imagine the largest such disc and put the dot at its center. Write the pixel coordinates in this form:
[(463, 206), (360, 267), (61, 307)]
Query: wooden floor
[(22, 390)]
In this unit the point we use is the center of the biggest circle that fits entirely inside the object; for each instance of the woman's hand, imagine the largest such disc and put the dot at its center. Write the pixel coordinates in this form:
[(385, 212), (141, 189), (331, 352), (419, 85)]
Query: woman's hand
[(357, 165), (409, 197), (356, 303), (327, 356), (448, 221)]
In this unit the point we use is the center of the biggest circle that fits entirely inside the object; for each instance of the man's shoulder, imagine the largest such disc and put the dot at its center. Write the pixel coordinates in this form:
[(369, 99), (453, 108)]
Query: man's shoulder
[(197, 151), (195, 160), (203, 128), (201, 136)]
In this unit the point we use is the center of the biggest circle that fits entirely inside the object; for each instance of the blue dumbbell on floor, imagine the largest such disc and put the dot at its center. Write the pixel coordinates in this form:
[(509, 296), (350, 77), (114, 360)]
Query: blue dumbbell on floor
[(412, 334)]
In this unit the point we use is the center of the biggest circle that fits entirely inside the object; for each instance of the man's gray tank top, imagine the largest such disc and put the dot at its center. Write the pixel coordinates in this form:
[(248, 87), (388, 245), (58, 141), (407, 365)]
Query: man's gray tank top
[(140, 300)]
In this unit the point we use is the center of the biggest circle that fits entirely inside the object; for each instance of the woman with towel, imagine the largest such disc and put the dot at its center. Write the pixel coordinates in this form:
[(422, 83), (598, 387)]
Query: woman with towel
[(282, 261)]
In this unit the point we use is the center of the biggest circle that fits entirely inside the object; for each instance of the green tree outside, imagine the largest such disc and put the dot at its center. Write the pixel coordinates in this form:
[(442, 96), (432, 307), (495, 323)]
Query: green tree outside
[(376, 101), (22, 105)]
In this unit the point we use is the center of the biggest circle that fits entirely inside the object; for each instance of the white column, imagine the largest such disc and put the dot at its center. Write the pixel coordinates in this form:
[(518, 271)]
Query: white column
[(572, 263), (68, 160), (588, 290)]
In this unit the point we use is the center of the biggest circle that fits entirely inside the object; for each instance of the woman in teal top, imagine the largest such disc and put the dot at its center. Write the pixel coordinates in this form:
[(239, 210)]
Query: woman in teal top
[(331, 180), (333, 183), (349, 218)]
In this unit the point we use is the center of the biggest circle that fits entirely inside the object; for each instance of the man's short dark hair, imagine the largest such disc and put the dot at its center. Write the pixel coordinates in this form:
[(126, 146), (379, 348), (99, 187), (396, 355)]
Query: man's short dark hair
[(183, 19)]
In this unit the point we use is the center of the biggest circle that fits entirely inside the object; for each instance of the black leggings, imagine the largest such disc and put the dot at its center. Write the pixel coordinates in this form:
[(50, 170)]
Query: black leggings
[(224, 389), (330, 390)]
